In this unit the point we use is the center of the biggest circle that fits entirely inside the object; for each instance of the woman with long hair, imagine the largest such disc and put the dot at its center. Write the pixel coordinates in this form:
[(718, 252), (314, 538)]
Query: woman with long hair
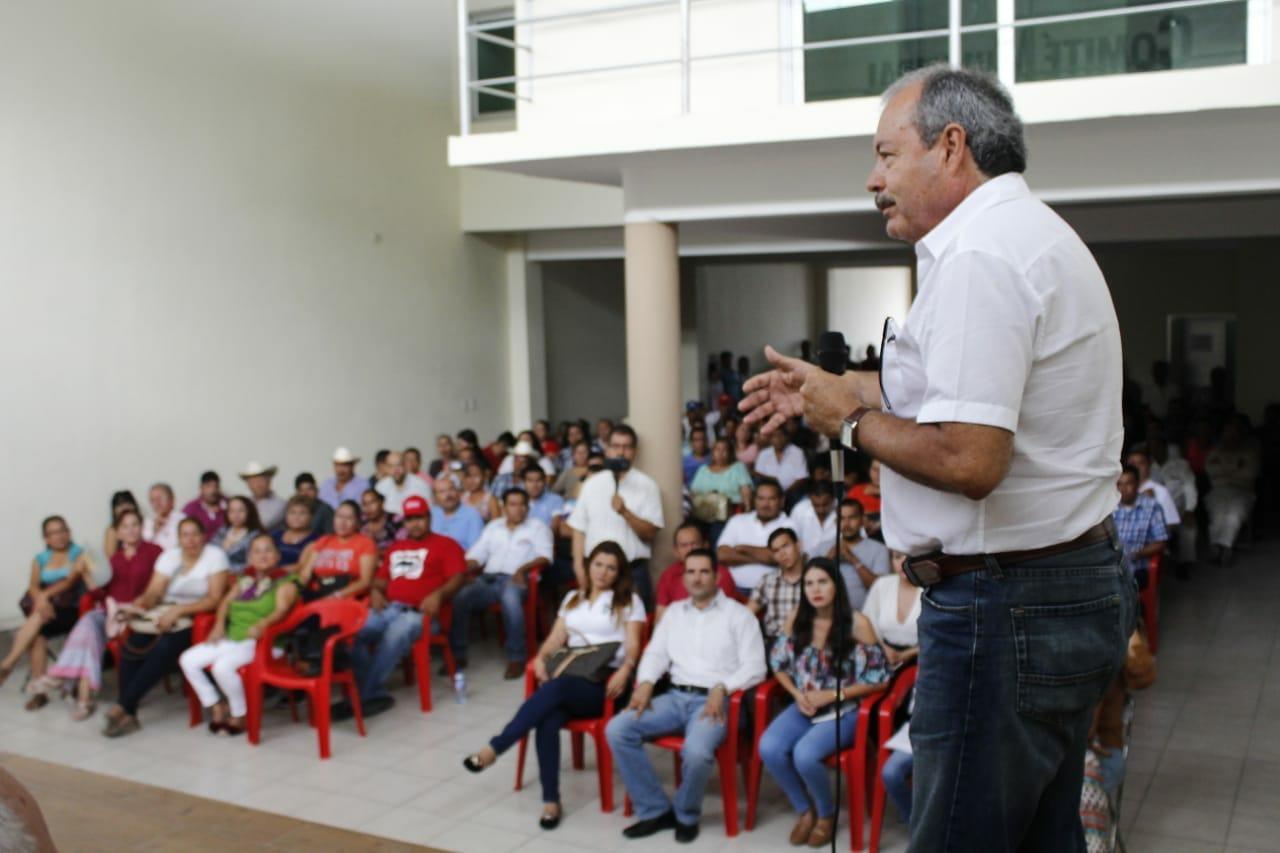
[(475, 492), (120, 501), (605, 610), (797, 743), (242, 525)]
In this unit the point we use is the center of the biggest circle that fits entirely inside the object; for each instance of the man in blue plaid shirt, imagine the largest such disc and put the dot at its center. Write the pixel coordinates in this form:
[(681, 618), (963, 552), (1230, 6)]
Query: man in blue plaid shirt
[(1140, 523)]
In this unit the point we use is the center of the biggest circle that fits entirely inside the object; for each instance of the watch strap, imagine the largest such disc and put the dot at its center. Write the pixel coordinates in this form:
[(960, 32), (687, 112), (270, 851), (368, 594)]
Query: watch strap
[(849, 431)]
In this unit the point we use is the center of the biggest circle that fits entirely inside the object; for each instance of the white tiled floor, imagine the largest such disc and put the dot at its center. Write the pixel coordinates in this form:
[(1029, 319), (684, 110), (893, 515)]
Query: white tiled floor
[(1204, 771)]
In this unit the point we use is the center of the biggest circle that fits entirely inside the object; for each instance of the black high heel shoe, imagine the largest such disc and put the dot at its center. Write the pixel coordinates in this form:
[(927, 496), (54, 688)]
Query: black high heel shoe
[(550, 821), (472, 763)]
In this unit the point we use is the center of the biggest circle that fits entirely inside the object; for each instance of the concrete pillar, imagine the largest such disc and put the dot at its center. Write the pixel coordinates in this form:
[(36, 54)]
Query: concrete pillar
[(526, 342), (653, 365)]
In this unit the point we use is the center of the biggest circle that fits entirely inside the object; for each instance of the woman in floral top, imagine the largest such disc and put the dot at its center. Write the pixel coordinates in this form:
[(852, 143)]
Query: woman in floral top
[(797, 743)]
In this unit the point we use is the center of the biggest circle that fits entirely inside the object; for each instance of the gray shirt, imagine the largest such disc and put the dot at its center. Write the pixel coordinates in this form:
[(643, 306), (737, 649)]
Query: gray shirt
[(875, 556), (270, 511)]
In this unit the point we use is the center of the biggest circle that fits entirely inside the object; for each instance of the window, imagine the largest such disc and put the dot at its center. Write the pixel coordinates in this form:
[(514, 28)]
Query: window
[(490, 59)]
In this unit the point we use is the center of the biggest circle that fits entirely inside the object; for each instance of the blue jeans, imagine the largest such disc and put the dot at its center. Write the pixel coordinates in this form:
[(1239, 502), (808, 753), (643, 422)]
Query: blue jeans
[(676, 712), (547, 710), (478, 596), (394, 629), (1013, 659), (794, 748), (897, 782)]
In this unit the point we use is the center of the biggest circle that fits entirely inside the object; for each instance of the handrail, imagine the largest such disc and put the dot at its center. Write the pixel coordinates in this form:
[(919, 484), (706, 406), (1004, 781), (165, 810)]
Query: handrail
[(561, 16)]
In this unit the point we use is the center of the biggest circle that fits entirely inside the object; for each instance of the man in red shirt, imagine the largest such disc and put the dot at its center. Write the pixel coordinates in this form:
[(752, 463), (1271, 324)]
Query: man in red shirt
[(689, 537), (418, 577)]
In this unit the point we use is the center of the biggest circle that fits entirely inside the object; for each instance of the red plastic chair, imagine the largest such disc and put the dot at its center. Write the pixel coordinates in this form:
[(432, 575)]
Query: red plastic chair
[(417, 666), (727, 757), (853, 762), (201, 626), (345, 615), (1149, 598), (887, 712)]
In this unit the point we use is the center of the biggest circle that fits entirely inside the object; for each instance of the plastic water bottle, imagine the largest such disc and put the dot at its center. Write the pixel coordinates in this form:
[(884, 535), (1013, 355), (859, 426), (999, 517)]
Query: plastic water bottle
[(460, 687)]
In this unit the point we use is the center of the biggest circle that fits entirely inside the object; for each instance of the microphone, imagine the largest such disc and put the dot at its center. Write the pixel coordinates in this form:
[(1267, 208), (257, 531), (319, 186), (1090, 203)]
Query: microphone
[(833, 357)]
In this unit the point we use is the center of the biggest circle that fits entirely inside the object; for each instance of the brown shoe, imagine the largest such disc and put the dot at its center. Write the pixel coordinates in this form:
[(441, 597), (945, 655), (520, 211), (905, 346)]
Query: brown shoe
[(514, 670), (804, 826), (822, 832)]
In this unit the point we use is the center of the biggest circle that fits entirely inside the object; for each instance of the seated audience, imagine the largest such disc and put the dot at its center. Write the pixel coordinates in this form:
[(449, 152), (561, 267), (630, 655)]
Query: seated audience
[(546, 442), (688, 538), (699, 453), (574, 472), (451, 517), (209, 507), (412, 457), (718, 486), (80, 662), (868, 494), (575, 433), (51, 604), (419, 575), (475, 492), (1140, 525), (603, 611), (711, 647), (344, 485), (296, 535), (120, 501), (815, 519), (188, 580), (511, 472), (161, 527), (778, 593), (321, 513), (242, 526), (862, 559), (378, 524), (744, 544), (498, 567), (446, 455), (544, 506), (398, 484), (1232, 466), (893, 609), (604, 431), (256, 600), (795, 746), (257, 479), (784, 462), (746, 449), (1169, 468), (340, 564), (1140, 459)]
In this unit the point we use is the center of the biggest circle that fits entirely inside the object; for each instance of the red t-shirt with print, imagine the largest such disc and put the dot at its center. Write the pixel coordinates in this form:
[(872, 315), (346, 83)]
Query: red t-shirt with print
[(415, 568)]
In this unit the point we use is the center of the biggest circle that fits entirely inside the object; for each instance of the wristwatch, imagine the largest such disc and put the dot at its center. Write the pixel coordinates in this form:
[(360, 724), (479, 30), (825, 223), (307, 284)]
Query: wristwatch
[(849, 427)]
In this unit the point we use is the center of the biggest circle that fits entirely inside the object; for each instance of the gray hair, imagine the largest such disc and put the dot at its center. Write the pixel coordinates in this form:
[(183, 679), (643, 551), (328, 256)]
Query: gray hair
[(14, 834), (977, 102)]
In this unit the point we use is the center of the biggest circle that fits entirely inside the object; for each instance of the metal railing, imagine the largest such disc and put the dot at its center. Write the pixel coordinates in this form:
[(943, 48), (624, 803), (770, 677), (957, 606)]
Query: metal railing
[(1005, 27)]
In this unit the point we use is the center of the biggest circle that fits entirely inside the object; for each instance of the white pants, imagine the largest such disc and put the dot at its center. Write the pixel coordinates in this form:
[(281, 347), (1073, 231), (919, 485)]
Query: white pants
[(1229, 509), (223, 658)]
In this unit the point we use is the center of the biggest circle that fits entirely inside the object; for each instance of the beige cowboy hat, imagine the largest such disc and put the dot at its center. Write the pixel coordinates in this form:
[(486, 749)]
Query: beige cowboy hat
[(344, 456), (524, 448), (257, 469)]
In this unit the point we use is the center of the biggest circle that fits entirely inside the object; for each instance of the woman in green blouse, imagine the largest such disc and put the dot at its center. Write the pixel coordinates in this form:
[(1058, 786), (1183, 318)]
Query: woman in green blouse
[(255, 601)]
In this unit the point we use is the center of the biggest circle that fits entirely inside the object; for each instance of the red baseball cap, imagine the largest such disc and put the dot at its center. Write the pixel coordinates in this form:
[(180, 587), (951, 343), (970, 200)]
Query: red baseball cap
[(415, 506)]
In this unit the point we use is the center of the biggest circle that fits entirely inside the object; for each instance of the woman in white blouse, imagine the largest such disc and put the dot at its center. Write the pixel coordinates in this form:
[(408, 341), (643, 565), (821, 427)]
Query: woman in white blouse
[(893, 606), (604, 611), (188, 580)]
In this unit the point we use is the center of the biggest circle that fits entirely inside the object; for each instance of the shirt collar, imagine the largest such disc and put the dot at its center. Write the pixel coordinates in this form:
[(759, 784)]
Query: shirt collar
[(997, 190)]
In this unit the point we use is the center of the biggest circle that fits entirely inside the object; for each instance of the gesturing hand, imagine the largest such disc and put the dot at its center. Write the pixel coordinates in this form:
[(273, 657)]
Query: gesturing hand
[(774, 397)]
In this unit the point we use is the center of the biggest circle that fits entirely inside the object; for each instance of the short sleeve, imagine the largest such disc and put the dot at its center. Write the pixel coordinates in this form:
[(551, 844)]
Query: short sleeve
[(741, 477), (730, 535), (564, 603), (1159, 532), (217, 558), (479, 552), (978, 342), (870, 666), (650, 509), (758, 594), (636, 612), (578, 518), (455, 562), (542, 543), (166, 563)]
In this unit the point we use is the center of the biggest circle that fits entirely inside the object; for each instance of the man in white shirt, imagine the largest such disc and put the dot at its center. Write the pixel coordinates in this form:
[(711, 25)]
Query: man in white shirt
[(784, 462), (861, 558), (744, 544), (1174, 473), (161, 527), (399, 484), (619, 504), (814, 519), (997, 417), (500, 562), (711, 646)]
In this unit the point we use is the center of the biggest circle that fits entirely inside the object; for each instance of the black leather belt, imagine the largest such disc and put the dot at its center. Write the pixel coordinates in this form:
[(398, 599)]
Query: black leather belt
[(689, 688), (928, 569)]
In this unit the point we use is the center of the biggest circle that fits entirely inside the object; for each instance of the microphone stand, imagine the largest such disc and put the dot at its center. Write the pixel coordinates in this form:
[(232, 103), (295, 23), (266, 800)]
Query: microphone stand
[(837, 487)]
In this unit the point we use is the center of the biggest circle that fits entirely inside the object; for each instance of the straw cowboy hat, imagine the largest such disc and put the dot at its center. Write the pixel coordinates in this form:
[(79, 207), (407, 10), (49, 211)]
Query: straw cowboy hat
[(344, 456), (257, 469)]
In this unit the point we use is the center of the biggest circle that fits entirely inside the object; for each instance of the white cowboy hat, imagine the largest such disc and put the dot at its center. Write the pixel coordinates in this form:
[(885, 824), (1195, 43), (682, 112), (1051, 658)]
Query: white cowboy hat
[(524, 448), (257, 469), (343, 455)]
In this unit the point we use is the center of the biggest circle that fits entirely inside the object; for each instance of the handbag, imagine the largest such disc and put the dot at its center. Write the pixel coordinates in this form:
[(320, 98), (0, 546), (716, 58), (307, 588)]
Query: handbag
[(710, 507), (594, 662), (145, 621)]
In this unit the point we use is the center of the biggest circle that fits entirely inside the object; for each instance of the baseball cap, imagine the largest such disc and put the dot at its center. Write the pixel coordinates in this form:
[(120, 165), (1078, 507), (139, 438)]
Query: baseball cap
[(415, 506)]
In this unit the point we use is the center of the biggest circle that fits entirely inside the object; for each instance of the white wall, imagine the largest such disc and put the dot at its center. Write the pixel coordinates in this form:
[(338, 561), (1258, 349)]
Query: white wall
[(744, 305), (583, 307), (227, 231), (859, 299)]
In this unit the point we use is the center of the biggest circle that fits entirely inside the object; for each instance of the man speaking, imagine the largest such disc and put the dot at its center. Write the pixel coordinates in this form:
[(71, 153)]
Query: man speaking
[(996, 418)]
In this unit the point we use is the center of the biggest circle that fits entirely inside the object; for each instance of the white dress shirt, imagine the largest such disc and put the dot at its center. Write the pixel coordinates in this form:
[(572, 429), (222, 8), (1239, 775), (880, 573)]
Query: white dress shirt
[(594, 517), (502, 549), (748, 529), (1012, 327), (166, 535), (816, 535), (393, 494), (1164, 498), (720, 644), (787, 469)]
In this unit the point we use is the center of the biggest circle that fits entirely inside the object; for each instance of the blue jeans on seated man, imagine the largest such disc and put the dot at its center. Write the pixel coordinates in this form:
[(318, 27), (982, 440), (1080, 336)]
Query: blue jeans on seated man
[(476, 597), (674, 712), (794, 749), (1013, 660), (897, 782), (385, 638)]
